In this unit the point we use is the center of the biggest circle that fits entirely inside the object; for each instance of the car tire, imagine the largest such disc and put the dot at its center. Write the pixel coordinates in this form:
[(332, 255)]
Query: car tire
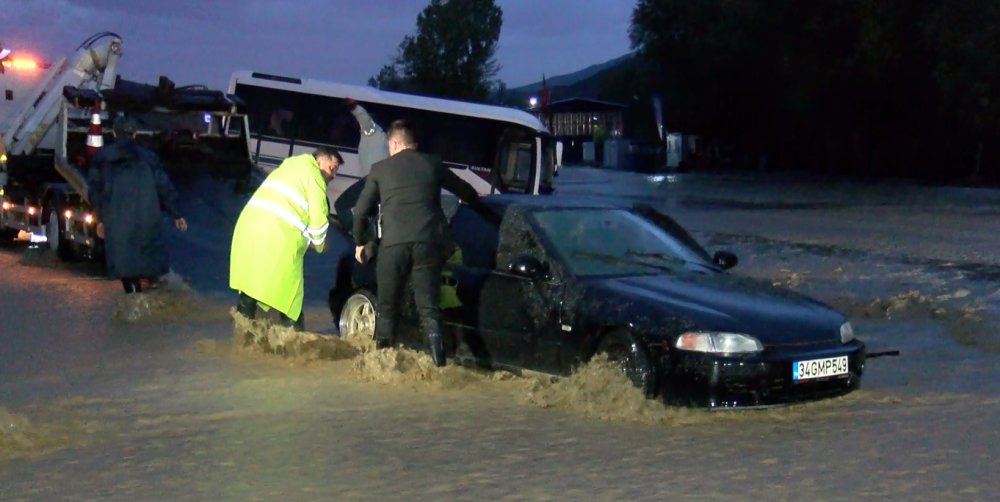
[(357, 317), (632, 357)]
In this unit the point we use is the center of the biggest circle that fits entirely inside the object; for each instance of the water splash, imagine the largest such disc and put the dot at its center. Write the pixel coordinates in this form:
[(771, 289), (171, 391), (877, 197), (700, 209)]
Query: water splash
[(265, 336), (43, 431), (172, 299)]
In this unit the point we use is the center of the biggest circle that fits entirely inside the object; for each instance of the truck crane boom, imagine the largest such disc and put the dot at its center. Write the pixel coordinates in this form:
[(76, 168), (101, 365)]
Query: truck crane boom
[(93, 66), (51, 113)]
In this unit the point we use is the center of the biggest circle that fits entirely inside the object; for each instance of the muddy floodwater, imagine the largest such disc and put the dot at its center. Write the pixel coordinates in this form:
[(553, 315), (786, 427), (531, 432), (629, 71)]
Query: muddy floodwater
[(174, 396)]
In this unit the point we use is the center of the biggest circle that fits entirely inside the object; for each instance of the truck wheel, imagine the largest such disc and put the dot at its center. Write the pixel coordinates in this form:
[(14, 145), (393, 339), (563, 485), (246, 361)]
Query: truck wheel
[(55, 234), (7, 236)]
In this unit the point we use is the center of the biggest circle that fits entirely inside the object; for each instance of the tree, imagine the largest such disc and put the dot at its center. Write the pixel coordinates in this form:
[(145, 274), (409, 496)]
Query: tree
[(866, 87), (965, 37), (451, 54)]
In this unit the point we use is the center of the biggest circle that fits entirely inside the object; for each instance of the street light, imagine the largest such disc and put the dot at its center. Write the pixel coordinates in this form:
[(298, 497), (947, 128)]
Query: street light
[(533, 102)]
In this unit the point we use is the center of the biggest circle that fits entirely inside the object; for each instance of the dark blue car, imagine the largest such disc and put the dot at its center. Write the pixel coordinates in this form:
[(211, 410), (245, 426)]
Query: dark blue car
[(557, 282)]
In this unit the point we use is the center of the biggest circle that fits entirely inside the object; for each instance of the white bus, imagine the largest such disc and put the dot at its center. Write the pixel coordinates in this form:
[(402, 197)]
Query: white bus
[(496, 149)]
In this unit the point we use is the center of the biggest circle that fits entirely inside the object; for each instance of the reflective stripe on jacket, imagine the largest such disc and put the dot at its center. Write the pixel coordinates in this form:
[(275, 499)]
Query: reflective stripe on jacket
[(286, 214)]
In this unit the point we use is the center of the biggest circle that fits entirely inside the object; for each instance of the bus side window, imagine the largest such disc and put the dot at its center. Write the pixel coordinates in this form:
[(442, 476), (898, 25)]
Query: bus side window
[(280, 123), (345, 131), (326, 120)]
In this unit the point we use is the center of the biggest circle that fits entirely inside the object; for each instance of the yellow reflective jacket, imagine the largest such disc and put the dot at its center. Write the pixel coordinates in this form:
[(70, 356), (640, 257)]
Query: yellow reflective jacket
[(286, 214)]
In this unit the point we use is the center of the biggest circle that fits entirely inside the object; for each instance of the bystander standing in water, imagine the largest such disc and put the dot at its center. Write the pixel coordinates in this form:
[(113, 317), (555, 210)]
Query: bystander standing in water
[(129, 191)]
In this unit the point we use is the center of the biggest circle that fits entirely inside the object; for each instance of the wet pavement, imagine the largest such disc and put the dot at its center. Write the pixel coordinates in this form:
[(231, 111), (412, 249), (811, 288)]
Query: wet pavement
[(173, 406)]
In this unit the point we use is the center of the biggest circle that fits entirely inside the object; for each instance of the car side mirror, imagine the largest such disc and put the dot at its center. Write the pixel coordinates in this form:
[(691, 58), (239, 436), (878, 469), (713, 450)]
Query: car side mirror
[(724, 260), (528, 267)]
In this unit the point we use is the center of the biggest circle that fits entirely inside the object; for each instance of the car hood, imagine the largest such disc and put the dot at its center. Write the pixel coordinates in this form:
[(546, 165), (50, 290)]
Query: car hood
[(719, 302)]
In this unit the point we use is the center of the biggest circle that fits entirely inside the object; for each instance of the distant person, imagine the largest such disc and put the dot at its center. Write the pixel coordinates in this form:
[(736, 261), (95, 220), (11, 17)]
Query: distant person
[(413, 231), (372, 146), (129, 191), (284, 217), (371, 149)]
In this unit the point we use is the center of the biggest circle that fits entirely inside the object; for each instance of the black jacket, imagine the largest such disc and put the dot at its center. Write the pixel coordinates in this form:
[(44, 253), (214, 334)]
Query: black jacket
[(409, 185), (130, 192)]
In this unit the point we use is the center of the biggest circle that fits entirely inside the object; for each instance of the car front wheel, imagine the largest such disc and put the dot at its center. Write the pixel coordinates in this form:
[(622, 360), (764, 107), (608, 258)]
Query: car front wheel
[(632, 358)]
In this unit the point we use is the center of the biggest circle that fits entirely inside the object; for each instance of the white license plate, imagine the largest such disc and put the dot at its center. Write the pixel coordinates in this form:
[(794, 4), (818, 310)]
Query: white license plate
[(819, 368)]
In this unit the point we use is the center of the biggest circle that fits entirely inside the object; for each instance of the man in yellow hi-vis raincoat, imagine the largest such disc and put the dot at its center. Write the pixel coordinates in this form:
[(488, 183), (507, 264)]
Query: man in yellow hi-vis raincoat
[(286, 215)]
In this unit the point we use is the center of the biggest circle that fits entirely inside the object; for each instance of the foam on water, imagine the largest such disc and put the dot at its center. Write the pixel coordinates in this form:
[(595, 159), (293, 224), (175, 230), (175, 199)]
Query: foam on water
[(39, 431)]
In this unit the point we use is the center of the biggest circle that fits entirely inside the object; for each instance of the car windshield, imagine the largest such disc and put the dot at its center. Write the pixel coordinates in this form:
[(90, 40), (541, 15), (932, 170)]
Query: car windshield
[(614, 242)]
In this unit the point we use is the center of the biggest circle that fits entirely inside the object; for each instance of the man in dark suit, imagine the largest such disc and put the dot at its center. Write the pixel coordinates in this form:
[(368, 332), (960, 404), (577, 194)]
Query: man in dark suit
[(413, 232)]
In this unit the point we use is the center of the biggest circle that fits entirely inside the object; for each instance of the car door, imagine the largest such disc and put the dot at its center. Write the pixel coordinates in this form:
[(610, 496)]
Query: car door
[(475, 238), (519, 312), (471, 261)]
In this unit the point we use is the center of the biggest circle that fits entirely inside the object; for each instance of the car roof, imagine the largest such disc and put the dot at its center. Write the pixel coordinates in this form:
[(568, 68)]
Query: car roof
[(502, 202)]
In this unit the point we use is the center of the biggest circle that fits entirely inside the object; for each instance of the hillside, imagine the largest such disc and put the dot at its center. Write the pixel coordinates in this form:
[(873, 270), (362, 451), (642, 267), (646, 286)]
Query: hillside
[(590, 82)]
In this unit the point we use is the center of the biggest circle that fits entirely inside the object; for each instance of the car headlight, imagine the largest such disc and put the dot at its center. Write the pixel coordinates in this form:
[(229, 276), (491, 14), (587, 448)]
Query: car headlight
[(846, 332), (718, 343)]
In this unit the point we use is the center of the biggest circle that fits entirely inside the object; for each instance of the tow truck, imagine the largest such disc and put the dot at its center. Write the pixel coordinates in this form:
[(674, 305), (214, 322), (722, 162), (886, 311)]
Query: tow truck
[(54, 116)]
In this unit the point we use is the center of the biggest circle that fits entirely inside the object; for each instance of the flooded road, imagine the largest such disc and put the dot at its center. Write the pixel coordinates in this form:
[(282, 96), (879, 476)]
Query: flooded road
[(175, 407)]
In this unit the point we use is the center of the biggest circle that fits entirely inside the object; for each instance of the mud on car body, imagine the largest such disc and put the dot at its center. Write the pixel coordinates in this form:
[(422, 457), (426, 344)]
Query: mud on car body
[(561, 280)]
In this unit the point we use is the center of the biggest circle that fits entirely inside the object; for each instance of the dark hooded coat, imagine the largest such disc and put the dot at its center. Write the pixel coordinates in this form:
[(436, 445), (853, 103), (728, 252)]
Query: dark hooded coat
[(130, 191)]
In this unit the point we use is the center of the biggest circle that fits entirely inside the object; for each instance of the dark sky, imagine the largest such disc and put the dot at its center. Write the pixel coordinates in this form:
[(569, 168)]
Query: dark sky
[(204, 41)]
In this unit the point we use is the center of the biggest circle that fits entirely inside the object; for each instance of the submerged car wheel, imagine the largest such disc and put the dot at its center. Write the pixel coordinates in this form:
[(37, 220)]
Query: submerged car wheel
[(357, 317), (632, 358)]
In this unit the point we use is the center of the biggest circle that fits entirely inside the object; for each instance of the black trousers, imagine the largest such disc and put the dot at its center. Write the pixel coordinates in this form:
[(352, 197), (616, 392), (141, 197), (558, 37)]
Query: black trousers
[(132, 284), (247, 305), (421, 262)]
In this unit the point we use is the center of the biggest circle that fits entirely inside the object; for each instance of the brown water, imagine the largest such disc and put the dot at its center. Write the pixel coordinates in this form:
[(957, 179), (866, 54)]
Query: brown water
[(175, 404), (322, 418), (41, 429), (598, 390)]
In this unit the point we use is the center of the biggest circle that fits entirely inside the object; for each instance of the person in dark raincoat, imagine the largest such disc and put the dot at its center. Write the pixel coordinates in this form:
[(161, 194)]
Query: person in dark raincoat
[(129, 191)]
